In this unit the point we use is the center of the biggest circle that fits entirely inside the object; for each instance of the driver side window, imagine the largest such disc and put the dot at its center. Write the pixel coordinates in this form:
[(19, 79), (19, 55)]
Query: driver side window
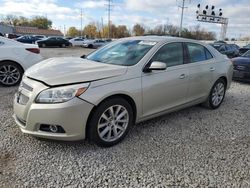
[(171, 54)]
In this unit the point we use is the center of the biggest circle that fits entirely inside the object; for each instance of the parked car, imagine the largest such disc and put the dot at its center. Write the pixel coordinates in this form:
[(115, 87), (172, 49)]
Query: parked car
[(244, 49), (77, 41), (68, 38), (100, 96), (227, 49), (242, 67), (27, 39), (40, 37), (15, 58), (53, 41), (94, 43)]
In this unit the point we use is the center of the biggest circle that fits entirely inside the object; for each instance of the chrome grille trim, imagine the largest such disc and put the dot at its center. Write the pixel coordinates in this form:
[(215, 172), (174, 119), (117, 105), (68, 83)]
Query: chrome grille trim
[(26, 86)]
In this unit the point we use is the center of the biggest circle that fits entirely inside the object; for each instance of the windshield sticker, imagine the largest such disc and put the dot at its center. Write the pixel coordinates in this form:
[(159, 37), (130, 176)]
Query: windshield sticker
[(149, 43)]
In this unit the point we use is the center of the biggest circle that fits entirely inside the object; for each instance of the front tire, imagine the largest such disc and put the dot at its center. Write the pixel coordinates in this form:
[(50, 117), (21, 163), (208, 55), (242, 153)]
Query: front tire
[(217, 94), (110, 122), (10, 73)]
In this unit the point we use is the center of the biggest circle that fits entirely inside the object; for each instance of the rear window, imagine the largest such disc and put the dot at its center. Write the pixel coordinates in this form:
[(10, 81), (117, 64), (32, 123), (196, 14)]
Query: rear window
[(198, 52)]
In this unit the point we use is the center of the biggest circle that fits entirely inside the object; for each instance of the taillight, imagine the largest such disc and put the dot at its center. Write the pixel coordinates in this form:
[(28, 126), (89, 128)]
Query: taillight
[(34, 50)]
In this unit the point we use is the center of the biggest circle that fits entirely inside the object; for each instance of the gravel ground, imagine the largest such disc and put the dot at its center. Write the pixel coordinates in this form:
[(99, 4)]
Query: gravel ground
[(194, 147)]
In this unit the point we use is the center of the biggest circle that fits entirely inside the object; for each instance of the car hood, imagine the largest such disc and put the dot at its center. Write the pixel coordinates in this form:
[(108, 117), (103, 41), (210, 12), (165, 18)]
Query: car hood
[(68, 70), (241, 60)]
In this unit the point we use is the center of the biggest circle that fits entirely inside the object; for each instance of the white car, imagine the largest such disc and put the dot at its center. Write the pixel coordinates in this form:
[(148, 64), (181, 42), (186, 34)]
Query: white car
[(15, 58), (77, 41), (94, 43)]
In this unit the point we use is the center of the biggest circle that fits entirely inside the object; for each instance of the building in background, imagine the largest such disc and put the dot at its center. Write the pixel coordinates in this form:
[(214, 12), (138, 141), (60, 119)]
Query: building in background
[(5, 29), (15, 31)]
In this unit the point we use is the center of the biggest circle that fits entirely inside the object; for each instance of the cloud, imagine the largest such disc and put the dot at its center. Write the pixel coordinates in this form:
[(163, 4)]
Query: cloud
[(91, 4), (129, 12), (30, 8), (148, 5)]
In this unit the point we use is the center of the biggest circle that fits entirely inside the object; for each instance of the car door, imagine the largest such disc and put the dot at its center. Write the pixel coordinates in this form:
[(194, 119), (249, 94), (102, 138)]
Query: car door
[(51, 42), (201, 68), (79, 42), (165, 89)]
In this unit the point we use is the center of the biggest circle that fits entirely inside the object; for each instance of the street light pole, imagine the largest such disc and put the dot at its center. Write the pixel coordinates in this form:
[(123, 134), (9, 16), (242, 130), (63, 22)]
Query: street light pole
[(81, 22)]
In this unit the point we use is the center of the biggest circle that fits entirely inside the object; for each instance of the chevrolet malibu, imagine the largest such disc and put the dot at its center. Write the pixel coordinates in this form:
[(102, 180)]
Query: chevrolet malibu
[(102, 95)]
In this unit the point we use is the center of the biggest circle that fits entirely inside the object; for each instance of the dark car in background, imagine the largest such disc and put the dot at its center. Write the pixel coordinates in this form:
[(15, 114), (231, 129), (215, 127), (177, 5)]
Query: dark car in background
[(27, 39), (53, 42), (231, 50), (244, 49), (242, 67)]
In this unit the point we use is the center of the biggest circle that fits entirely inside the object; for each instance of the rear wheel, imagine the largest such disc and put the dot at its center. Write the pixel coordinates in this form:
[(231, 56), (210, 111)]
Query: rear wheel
[(10, 73), (110, 122), (91, 46), (43, 45), (63, 45), (216, 95)]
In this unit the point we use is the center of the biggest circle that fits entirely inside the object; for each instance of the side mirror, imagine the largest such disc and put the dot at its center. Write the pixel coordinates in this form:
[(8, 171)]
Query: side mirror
[(156, 65), (83, 56)]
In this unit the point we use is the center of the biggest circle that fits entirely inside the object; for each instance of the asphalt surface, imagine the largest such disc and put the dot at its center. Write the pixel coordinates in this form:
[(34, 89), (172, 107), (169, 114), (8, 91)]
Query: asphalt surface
[(194, 147)]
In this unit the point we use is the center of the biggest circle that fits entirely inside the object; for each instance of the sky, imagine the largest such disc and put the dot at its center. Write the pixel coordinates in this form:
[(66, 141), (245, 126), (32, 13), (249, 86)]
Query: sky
[(67, 13)]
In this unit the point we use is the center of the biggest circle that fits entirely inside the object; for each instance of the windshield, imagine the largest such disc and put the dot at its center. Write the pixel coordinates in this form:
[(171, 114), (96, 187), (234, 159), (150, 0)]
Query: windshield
[(126, 53), (247, 54)]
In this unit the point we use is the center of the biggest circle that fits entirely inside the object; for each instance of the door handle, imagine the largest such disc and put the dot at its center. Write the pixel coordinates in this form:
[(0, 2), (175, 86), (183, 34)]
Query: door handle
[(182, 76), (212, 69)]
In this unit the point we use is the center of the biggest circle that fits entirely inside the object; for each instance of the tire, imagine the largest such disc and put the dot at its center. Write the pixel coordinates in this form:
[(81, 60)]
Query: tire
[(43, 45), (216, 95), (63, 45), (90, 46), (10, 73), (106, 130)]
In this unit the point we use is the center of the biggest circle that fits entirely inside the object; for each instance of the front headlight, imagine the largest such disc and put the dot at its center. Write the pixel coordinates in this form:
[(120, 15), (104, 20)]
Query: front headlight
[(61, 94)]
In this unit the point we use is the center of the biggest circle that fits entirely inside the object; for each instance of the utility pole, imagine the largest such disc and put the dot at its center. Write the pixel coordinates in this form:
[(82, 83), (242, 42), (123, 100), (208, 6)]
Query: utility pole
[(182, 12), (109, 7), (81, 22), (102, 28)]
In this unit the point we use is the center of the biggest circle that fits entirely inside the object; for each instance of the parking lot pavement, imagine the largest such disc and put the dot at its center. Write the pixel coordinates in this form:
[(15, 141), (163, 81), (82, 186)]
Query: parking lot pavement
[(194, 147)]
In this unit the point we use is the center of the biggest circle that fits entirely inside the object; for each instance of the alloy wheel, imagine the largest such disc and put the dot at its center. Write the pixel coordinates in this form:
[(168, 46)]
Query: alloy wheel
[(9, 75), (113, 123), (218, 94)]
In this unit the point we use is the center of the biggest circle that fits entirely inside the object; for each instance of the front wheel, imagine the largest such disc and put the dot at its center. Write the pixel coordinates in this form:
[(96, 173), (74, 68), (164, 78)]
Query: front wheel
[(110, 122), (10, 73), (217, 94)]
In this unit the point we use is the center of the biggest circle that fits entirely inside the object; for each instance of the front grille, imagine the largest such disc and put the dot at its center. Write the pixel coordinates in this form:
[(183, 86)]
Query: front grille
[(26, 86), (23, 99), (23, 93)]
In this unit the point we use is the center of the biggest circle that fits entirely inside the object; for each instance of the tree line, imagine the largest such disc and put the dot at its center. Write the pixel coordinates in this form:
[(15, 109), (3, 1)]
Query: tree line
[(40, 22), (95, 30)]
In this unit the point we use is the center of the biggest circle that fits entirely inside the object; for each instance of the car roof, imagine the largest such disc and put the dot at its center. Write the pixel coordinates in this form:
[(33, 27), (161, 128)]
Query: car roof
[(155, 38)]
